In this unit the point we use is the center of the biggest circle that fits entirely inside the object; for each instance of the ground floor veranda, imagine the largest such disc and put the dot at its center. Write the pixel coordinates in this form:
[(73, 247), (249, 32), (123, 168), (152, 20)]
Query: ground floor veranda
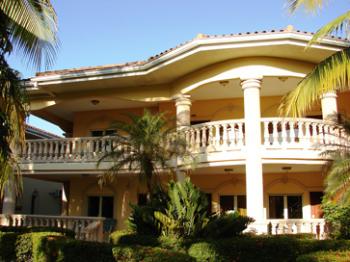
[(291, 197)]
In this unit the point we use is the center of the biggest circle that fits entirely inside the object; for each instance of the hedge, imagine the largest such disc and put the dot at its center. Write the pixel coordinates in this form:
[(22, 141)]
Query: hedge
[(64, 231), (24, 247), (124, 237), (246, 249), (325, 256), (70, 250), (148, 254)]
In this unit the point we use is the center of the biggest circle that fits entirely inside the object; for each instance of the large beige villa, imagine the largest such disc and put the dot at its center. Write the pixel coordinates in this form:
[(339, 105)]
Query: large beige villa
[(224, 91)]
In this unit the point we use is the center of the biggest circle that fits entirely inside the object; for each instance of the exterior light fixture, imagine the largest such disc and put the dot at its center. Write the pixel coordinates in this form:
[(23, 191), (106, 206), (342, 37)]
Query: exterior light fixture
[(286, 168), (283, 78), (95, 102), (224, 83)]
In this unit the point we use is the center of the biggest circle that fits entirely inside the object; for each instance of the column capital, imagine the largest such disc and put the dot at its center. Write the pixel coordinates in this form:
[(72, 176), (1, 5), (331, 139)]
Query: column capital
[(329, 94), (182, 99), (251, 82)]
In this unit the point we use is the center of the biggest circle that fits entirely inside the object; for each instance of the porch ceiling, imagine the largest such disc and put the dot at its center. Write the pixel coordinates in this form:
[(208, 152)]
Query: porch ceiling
[(267, 168)]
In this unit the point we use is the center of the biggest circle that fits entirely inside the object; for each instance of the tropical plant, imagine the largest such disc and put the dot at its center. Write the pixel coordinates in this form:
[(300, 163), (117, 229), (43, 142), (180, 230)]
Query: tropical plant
[(145, 145), (337, 181), (226, 225), (29, 27), (331, 74), (186, 212), (141, 220), (338, 218)]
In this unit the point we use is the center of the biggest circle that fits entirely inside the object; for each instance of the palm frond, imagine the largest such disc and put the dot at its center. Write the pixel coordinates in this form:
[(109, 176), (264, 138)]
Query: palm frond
[(33, 29), (331, 74), (338, 26), (309, 5)]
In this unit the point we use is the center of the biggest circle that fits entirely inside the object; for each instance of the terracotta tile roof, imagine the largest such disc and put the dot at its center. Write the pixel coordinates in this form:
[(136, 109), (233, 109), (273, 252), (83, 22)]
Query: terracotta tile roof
[(288, 29), (41, 132)]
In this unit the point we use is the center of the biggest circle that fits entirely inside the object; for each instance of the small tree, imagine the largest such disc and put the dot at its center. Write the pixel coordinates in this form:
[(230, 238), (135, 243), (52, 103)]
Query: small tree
[(337, 182), (146, 145), (186, 212)]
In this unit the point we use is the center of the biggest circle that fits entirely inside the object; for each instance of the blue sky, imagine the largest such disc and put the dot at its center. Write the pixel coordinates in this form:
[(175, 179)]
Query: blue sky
[(108, 31)]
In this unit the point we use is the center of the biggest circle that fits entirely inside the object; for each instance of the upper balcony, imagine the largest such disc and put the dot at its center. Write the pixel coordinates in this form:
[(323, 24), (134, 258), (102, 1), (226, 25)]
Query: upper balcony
[(214, 143)]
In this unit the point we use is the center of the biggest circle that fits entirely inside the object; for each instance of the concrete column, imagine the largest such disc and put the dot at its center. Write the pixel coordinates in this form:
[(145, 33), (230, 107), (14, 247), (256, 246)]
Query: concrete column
[(9, 200), (183, 119), (329, 105), (183, 111), (254, 174)]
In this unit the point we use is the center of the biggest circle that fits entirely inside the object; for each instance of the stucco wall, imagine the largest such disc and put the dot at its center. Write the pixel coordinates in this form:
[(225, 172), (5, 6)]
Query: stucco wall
[(125, 190)]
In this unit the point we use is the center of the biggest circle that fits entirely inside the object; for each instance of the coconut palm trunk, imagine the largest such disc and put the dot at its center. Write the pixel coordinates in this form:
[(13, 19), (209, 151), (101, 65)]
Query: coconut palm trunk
[(29, 27)]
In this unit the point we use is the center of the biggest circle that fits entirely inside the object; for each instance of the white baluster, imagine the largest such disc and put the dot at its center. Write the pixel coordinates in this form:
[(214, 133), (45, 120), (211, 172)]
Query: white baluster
[(204, 137), (284, 136), (275, 135), (224, 135), (240, 134), (266, 133), (292, 132)]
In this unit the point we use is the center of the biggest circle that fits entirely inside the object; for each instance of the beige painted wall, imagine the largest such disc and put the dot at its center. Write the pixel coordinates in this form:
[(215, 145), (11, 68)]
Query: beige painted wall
[(211, 110), (125, 190)]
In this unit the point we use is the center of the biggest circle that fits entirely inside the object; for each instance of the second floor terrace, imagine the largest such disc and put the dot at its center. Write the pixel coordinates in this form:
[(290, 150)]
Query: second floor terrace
[(218, 142)]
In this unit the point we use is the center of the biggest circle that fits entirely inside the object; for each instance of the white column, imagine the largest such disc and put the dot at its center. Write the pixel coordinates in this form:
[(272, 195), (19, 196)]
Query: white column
[(253, 166), (285, 207), (183, 110), (9, 200), (329, 105), (183, 120)]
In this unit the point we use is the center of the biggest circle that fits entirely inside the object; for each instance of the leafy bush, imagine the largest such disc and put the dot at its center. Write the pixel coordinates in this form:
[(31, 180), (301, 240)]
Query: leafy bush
[(338, 218), (186, 212), (205, 251), (123, 237), (142, 220), (64, 231), (7, 246), (148, 254), (324, 256), (23, 247), (309, 236), (70, 250), (227, 225), (261, 248)]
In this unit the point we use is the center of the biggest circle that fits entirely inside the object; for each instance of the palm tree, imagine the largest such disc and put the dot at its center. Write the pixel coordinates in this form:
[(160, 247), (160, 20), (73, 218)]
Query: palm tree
[(30, 28), (145, 145), (331, 74), (337, 182)]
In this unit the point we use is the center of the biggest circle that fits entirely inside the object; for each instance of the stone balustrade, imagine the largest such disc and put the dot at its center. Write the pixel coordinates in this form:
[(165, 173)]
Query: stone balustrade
[(218, 136), (302, 133), (295, 226), (85, 228)]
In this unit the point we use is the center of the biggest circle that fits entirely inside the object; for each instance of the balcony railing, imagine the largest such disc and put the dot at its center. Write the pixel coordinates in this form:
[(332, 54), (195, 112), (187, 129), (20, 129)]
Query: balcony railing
[(85, 228), (302, 133), (318, 227)]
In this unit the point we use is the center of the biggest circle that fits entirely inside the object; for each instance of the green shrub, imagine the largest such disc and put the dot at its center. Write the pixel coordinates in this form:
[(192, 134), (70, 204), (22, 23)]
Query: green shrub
[(338, 218), (23, 248), (261, 248), (22, 230), (123, 237), (142, 220), (148, 254), (186, 212), (309, 236), (7, 246), (324, 256), (70, 250), (224, 226), (205, 251)]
